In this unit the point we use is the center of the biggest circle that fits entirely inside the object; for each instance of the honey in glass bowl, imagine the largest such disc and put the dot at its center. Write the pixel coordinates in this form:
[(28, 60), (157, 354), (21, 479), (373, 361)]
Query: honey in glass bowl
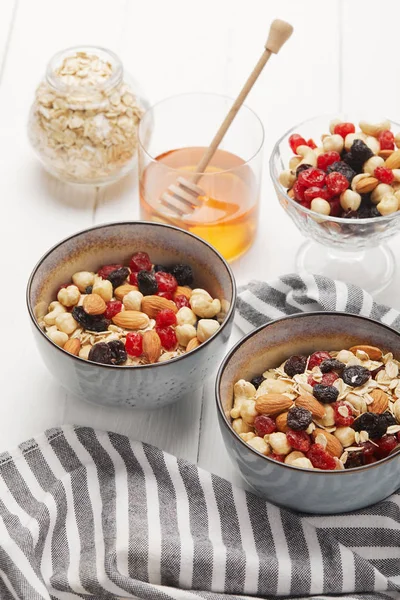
[(227, 217)]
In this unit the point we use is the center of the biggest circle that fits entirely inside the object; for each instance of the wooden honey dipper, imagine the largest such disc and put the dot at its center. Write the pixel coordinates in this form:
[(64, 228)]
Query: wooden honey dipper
[(183, 197)]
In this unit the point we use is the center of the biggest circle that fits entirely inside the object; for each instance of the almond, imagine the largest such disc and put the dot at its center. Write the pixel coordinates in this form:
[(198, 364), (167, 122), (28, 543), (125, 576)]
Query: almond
[(194, 343), (380, 403), (281, 422), (122, 290), (183, 291), (272, 404), (363, 186), (151, 305), (373, 352), (151, 346), (385, 153), (393, 161), (131, 319), (93, 304), (72, 346), (310, 403), (333, 446)]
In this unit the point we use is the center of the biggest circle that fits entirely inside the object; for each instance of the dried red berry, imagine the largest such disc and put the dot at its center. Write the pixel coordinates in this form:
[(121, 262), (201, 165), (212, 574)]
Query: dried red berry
[(181, 301), (166, 282), (386, 140), (326, 159), (264, 425), (298, 191), (327, 379), (336, 207), (134, 344), (113, 308), (140, 261), (368, 448), (165, 317), (133, 280), (384, 175), (299, 440), (343, 420), (296, 140), (317, 358), (166, 295), (336, 183), (105, 271), (278, 457), (311, 144), (312, 177), (168, 337), (386, 445), (344, 129), (320, 459), (316, 192)]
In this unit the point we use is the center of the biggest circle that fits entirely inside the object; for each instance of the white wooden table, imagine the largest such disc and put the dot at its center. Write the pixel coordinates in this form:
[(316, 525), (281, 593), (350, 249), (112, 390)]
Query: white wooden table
[(324, 68)]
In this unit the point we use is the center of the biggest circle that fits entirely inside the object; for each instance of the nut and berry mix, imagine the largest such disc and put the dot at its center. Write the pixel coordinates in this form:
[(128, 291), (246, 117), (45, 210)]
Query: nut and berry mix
[(330, 410), (352, 174), (136, 315)]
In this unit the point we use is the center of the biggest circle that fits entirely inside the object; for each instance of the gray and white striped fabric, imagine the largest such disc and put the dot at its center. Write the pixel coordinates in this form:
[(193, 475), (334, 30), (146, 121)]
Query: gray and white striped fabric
[(88, 514)]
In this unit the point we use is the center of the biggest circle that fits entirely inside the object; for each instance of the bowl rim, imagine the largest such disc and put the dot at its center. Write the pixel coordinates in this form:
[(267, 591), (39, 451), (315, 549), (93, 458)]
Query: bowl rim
[(307, 211), (236, 436), (119, 224)]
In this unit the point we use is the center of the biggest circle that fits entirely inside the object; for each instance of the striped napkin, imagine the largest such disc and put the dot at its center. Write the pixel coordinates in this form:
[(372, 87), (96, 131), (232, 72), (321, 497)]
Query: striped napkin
[(89, 514)]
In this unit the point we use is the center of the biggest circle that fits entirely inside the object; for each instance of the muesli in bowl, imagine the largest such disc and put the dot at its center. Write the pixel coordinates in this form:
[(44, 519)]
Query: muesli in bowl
[(329, 410)]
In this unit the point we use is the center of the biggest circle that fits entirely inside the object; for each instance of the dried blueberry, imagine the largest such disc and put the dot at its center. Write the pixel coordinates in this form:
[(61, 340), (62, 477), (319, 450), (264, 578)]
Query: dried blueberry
[(90, 322), (358, 154), (301, 168), (331, 365), (162, 268), (118, 276), (355, 375), (375, 212), (343, 168), (387, 419), (257, 381), (299, 418), (295, 365), (371, 423), (183, 274), (101, 353), (354, 459), (375, 372), (89, 289), (325, 393), (119, 355), (147, 283)]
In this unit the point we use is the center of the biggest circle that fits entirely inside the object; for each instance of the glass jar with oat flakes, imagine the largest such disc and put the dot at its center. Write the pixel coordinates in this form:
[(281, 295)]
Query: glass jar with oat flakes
[(84, 119)]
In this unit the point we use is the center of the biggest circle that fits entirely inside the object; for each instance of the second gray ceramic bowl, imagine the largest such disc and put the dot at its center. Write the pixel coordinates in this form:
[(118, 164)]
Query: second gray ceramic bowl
[(147, 386), (310, 491)]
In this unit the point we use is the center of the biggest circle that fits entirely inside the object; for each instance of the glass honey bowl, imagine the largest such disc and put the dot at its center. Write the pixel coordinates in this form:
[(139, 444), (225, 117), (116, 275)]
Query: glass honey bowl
[(183, 127)]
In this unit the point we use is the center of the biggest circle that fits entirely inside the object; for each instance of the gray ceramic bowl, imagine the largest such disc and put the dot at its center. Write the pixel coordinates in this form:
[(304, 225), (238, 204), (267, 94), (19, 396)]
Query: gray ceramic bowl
[(148, 386), (301, 489)]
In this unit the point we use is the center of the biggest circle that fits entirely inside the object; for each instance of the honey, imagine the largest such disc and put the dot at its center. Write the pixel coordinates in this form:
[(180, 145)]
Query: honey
[(227, 218)]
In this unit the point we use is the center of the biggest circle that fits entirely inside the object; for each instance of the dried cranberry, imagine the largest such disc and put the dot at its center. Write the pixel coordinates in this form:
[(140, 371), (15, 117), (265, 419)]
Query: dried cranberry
[(133, 278), (183, 274), (311, 144), (299, 418), (316, 192), (296, 140), (140, 261), (325, 393), (355, 375), (264, 425), (331, 364), (385, 445), (277, 457), (118, 276), (324, 160), (166, 295), (166, 282), (298, 440), (119, 355), (386, 140), (336, 207), (295, 365), (105, 271), (134, 344), (181, 301), (320, 459), (343, 420), (312, 177), (336, 183), (298, 191), (368, 448), (257, 381), (302, 167), (327, 379), (147, 283), (384, 175), (165, 317), (168, 337), (113, 308), (316, 359), (344, 129)]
